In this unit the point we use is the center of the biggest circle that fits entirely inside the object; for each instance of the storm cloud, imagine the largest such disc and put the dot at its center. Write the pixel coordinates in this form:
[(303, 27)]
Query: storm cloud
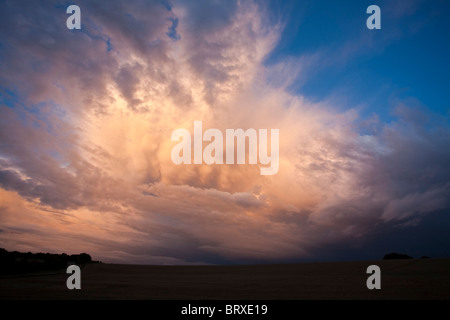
[(86, 120)]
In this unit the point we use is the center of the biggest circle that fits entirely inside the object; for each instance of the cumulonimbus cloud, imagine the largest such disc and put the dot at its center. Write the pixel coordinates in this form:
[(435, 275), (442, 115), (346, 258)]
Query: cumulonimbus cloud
[(86, 121)]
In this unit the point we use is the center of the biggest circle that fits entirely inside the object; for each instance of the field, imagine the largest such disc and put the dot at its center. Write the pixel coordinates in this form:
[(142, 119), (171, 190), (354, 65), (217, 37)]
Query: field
[(400, 279)]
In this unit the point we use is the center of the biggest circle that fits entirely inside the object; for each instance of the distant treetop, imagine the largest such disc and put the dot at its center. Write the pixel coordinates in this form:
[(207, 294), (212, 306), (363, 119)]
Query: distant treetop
[(394, 256), (18, 262)]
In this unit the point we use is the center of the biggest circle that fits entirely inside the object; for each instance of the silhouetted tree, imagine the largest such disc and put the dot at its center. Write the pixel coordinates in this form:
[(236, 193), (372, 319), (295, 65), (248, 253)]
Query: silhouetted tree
[(17, 262), (394, 256), (85, 258)]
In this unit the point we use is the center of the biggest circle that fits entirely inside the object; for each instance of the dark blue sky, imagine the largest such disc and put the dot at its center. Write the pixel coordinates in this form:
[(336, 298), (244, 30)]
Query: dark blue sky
[(372, 69)]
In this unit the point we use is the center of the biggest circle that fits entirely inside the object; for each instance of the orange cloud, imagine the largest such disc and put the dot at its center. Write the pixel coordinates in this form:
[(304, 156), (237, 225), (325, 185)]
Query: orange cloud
[(89, 168)]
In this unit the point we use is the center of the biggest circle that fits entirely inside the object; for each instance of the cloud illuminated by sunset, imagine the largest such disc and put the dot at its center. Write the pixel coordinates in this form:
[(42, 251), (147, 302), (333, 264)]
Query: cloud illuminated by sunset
[(85, 139)]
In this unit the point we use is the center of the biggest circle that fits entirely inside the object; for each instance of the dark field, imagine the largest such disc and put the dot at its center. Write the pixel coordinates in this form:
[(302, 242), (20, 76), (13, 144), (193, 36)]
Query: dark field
[(400, 279)]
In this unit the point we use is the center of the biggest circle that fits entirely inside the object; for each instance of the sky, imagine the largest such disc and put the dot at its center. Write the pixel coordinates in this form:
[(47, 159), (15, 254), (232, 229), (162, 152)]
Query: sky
[(86, 118)]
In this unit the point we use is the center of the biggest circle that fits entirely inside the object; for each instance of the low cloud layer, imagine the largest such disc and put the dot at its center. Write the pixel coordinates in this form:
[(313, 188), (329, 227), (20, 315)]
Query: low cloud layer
[(85, 128)]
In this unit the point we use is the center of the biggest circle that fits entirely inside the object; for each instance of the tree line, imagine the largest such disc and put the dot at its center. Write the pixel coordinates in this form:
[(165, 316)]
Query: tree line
[(18, 262)]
